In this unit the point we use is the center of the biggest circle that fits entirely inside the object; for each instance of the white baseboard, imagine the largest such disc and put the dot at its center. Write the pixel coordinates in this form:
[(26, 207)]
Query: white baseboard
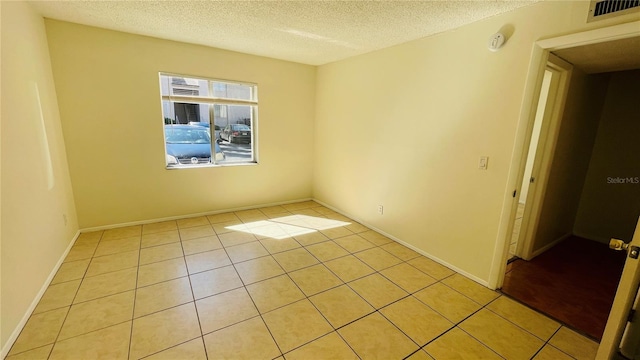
[(36, 300), (549, 246), (412, 247), (14, 335), (420, 251), (150, 221)]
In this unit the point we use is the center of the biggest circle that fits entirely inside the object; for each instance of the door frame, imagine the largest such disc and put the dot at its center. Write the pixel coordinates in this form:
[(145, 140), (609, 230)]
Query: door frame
[(538, 64), (554, 108)]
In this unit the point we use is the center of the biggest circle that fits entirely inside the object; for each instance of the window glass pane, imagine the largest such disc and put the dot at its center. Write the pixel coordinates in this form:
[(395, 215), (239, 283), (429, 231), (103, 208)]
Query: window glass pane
[(187, 145), (168, 113), (165, 88), (177, 85), (233, 91), (194, 129), (185, 113), (189, 87), (234, 133)]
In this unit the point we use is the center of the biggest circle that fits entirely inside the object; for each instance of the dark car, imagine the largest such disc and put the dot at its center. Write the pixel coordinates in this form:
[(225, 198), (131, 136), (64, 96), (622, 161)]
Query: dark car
[(189, 144), (236, 133)]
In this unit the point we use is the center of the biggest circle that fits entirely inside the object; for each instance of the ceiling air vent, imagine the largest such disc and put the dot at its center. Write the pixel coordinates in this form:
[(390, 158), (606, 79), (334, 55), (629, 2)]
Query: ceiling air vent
[(604, 9)]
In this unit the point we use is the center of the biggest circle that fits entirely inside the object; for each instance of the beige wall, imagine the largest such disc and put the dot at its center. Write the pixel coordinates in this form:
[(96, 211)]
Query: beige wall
[(36, 190), (610, 203), (108, 91), (406, 126), (575, 141)]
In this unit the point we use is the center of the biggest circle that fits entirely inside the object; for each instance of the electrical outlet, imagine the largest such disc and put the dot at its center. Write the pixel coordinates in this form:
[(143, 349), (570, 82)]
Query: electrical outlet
[(64, 218), (380, 209)]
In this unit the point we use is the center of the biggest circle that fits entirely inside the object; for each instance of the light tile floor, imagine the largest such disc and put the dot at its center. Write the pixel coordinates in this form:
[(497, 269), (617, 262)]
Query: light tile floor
[(297, 281)]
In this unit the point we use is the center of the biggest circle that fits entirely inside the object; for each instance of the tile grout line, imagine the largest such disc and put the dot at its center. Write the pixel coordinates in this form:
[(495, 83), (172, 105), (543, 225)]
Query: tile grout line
[(174, 279), (193, 296), (75, 295), (350, 253), (520, 327), (409, 294), (173, 346), (306, 297), (562, 324), (548, 342), (177, 305), (135, 293), (72, 304), (478, 340), (457, 325), (376, 310), (244, 286), (82, 280)]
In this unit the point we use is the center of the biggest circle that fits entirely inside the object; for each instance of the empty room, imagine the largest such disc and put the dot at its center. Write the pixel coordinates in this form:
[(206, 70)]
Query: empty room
[(317, 179)]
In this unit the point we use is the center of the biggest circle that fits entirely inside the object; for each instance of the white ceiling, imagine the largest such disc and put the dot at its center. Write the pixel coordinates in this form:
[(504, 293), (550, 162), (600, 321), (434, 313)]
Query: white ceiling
[(310, 32)]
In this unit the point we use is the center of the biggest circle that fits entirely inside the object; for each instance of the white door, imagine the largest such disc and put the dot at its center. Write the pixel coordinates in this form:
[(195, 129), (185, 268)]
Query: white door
[(541, 152), (619, 332)]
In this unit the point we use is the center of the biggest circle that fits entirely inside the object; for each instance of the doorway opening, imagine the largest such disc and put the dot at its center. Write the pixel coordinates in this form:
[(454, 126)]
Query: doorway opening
[(544, 103), (574, 282), (562, 240)]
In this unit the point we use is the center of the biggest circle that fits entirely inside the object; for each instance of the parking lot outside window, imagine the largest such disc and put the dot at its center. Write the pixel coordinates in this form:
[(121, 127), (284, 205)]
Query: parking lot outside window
[(202, 117)]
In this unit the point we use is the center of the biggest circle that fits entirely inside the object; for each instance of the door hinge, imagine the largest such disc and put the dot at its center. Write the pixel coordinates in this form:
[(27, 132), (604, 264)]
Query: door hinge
[(514, 193), (632, 313)]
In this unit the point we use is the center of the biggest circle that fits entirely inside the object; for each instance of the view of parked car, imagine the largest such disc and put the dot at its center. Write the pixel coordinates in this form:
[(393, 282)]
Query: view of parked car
[(236, 133), (189, 144), (205, 124)]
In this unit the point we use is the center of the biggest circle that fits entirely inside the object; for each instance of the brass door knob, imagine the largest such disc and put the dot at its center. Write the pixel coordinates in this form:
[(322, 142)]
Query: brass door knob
[(617, 244)]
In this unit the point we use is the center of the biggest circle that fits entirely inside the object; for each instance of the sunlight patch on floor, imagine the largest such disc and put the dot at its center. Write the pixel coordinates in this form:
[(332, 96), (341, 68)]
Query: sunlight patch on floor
[(288, 226)]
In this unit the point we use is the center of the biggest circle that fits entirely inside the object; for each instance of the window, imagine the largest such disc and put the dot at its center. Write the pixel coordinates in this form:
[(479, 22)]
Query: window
[(204, 117)]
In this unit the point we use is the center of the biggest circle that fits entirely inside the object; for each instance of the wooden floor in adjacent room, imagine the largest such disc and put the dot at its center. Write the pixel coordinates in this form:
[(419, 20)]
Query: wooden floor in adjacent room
[(574, 282)]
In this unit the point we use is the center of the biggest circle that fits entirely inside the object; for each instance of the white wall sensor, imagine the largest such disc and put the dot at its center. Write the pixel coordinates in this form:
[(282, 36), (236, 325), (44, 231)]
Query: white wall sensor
[(496, 41)]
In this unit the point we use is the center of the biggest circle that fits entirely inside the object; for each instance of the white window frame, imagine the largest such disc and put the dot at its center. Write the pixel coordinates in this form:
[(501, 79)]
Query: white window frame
[(211, 101)]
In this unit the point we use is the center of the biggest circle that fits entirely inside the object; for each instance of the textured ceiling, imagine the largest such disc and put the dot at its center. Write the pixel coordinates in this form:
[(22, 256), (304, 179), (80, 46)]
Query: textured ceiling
[(310, 32)]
